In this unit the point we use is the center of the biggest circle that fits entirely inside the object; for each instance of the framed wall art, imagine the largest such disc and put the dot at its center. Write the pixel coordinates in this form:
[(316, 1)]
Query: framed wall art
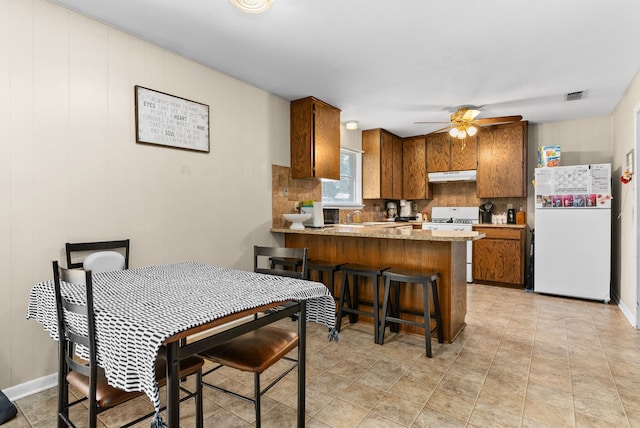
[(171, 121)]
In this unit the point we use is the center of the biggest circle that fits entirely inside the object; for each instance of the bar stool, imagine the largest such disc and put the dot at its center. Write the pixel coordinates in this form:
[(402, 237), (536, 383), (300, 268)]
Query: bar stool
[(401, 278), (357, 271), (326, 272)]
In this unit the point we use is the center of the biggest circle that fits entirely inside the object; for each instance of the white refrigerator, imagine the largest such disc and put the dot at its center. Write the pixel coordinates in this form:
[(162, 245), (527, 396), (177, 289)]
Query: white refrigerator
[(573, 231)]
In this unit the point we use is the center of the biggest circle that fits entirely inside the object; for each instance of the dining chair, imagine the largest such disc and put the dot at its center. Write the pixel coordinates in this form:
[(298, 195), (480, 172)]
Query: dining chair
[(84, 374), (260, 349), (98, 256)]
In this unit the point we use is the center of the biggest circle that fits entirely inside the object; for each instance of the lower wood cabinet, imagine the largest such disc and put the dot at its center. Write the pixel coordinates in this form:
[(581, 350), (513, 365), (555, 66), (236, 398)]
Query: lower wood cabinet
[(499, 258)]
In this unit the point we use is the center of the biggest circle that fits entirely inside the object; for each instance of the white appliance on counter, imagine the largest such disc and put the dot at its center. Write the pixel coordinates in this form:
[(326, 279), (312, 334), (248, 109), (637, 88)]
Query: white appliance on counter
[(573, 231), (455, 218), (317, 215)]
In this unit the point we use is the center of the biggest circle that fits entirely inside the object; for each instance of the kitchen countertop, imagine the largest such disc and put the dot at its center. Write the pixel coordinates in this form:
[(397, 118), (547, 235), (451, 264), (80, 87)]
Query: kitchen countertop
[(388, 231)]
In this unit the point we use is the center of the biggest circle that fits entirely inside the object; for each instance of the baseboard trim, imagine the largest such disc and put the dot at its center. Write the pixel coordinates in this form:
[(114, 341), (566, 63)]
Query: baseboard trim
[(627, 314), (34, 386)]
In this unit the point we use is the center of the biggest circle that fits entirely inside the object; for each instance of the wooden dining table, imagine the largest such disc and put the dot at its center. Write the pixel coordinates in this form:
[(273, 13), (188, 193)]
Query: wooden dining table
[(143, 313)]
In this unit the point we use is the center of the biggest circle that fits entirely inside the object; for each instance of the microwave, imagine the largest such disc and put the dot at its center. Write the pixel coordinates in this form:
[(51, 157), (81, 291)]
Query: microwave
[(317, 218), (331, 215)]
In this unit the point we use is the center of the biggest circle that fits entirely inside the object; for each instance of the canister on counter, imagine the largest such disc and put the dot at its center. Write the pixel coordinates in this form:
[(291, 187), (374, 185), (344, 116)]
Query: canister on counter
[(521, 216)]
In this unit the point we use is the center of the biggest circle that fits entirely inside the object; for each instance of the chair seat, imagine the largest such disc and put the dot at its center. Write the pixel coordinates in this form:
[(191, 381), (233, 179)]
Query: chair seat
[(255, 351), (362, 270), (107, 396)]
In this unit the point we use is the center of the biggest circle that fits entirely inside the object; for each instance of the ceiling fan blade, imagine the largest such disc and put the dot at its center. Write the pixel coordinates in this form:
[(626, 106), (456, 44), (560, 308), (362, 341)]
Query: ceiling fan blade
[(440, 130), (470, 114), (495, 120)]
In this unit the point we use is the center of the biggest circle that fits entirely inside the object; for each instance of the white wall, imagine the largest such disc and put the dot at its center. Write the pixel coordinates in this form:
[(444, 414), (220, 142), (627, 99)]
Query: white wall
[(581, 141), (70, 169), (625, 257)]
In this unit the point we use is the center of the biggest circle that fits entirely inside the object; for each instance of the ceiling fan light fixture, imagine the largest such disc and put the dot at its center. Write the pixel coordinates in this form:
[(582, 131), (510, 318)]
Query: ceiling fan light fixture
[(252, 6), (462, 134), (453, 132), (472, 130)]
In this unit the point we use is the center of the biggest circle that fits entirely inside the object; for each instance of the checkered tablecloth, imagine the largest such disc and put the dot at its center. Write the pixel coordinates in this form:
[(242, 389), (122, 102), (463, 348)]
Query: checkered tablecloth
[(137, 309)]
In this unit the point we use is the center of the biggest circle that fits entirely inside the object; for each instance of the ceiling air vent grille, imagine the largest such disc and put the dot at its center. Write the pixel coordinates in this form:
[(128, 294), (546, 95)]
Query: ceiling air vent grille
[(574, 96)]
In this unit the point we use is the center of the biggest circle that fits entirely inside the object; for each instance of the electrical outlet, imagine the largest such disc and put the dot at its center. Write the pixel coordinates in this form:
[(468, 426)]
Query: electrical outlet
[(285, 191)]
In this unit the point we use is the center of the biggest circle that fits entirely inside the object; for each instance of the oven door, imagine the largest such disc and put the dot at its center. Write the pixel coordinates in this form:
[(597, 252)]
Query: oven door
[(455, 226)]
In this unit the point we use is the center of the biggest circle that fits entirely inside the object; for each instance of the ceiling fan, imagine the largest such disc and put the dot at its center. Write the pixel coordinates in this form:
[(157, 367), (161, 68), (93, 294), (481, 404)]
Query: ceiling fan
[(464, 123)]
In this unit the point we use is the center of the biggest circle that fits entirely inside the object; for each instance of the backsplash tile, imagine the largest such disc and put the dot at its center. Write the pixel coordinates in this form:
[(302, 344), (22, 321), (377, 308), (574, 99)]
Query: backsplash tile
[(299, 190)]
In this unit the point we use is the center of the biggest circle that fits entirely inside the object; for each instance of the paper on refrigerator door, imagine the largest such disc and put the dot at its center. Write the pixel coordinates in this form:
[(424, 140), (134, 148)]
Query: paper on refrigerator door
[(580, 186)]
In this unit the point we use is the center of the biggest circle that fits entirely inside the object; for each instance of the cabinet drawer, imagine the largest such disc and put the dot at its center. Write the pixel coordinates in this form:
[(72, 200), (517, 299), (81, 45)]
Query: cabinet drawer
[(499, 233)]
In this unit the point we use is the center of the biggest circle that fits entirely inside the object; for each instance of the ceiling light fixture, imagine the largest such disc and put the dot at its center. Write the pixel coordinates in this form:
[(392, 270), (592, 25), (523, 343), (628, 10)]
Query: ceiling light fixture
[(351, 125), (461, 131), (252, 6)]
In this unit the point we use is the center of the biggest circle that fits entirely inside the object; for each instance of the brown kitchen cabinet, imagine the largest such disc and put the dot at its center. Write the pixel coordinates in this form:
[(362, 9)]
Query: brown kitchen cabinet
[(502, 161), (499, 258), (415, 182), (446, 153), (381, 165), (315, 139)]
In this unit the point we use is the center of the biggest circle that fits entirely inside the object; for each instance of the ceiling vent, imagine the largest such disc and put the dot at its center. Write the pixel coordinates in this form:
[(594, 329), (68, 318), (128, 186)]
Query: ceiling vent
[(575, 96)]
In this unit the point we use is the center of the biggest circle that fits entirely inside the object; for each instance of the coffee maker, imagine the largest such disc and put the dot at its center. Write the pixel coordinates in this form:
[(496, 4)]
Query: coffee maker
[(391, 211), (405, 208)]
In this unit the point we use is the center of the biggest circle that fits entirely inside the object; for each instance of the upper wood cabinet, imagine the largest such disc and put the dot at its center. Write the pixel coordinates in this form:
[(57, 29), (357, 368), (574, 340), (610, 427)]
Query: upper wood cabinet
[(315, 139), (381, 165), (502, 161), (445, 153), (415, 184)]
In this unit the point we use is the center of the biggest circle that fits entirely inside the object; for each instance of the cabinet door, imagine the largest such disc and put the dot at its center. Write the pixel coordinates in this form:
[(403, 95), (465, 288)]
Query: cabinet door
[(438, 152), (301, 138), (464, 153), (371, 164), (502, 161), (397, 177), (326, 150), (414, 174), (386, 165), (497, 260)]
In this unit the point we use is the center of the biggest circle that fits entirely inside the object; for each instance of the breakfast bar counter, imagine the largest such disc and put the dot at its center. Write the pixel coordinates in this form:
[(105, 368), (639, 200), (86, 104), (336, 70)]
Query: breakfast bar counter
[(398, 246)]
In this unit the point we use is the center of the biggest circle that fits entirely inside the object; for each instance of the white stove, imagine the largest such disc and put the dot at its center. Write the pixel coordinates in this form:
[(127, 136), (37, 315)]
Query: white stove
[(455, 218)]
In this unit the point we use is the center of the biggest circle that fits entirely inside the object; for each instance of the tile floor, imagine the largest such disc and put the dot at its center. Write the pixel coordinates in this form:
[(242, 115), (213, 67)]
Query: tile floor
[(524, 360)]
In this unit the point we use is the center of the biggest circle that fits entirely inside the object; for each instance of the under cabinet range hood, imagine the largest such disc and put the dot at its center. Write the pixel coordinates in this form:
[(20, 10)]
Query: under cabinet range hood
[(447, 176)]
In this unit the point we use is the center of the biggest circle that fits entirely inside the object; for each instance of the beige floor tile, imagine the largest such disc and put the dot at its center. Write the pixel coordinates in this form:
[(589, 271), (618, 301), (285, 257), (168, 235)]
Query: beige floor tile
[(548, 414), (608, 411), (460, 385), (484, 415), (429, 418), (400, 411), (501, 399), (451, 404), (361, 395), (341, 414)]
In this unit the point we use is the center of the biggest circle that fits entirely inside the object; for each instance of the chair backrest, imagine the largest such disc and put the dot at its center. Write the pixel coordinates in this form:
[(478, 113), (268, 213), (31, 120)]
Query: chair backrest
[(91, 247), (66, 309), (266, 252), (103, 261)]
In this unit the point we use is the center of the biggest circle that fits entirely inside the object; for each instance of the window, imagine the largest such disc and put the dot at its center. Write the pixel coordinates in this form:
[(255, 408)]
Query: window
[(348, 191)]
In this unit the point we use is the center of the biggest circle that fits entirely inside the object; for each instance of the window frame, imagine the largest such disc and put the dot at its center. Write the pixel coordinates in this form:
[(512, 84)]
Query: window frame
[(356, 201)]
